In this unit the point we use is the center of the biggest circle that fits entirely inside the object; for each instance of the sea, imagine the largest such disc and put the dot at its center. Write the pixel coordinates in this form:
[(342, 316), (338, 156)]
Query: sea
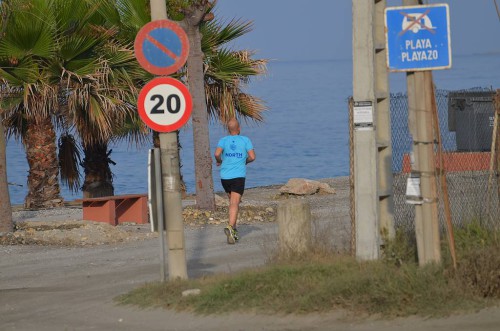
[(304, 134)]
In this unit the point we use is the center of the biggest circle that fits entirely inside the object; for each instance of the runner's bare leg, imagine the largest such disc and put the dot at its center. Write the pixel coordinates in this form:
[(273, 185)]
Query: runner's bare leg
[(234, 205)]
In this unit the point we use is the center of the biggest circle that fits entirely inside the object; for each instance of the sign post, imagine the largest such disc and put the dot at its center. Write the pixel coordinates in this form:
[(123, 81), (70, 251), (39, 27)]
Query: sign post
[(162, 47), (418, 41)]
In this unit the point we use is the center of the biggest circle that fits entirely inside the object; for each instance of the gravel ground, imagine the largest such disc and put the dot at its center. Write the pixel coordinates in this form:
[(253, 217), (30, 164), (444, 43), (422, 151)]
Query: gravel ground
[(65, 227)]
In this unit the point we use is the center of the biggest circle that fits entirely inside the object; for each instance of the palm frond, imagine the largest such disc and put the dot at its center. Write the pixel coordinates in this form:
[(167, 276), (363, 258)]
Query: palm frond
[(215, 33), (134, 15), (15, 123), (251, 107), (28, 31), (69, 162), (77, 46), (228, 66), (107, 10)]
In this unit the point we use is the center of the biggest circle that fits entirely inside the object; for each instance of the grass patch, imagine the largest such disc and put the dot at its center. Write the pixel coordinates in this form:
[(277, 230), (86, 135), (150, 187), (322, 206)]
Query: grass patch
[(320, 286), (394, 286)]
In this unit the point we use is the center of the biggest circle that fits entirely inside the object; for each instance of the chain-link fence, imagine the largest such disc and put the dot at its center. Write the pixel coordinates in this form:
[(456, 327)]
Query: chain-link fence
[(466, 123), (467, 130)]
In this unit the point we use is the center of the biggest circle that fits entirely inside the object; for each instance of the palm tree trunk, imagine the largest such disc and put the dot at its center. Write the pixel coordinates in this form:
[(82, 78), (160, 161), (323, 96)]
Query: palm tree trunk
[(41, 153), (98, 176), (6, 224), (205, 197)]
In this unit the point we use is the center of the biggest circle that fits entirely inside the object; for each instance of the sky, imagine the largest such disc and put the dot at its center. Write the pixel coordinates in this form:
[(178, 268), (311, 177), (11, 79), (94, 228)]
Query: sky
[(292, 30)]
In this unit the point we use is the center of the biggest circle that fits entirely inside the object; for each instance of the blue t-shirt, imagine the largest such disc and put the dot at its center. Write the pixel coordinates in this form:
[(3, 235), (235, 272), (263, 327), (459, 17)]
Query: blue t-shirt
[(234, 156)]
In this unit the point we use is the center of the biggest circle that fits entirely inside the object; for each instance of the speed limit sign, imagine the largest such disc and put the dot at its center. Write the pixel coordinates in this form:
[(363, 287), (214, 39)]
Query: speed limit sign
[(165, 104)]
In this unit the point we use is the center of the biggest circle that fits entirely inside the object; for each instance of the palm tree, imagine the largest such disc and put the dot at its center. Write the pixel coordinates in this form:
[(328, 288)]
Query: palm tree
[(90, 56), (27, 45), (102, 106), (91, 76), (194, 16), (120, 21), (102, 112), (6, 224)]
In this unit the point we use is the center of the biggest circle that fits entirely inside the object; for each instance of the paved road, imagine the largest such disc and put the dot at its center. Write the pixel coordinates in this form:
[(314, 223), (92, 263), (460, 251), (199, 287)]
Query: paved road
[(53, 288)]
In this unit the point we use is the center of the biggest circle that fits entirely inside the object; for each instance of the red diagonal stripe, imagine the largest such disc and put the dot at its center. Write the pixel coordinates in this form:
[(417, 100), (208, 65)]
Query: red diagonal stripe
[(416, 21), (162, 47)]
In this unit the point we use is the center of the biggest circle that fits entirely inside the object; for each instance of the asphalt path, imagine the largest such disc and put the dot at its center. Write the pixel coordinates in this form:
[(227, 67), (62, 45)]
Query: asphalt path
[(47, 288), (59, 288)]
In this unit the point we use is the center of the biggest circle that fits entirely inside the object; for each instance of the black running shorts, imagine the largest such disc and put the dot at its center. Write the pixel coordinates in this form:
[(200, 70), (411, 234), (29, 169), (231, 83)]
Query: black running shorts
[(234, 185)]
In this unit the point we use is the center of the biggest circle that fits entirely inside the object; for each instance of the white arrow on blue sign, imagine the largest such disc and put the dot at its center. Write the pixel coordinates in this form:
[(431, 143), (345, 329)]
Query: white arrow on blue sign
[(418, 37)]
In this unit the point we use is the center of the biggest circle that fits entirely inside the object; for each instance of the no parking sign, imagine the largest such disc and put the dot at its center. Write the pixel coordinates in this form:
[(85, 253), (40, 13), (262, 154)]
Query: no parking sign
[(161, 47)]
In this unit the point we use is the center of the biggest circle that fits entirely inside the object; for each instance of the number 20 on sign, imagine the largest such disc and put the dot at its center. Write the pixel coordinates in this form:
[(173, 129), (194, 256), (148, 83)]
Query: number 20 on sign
[(165, 104)]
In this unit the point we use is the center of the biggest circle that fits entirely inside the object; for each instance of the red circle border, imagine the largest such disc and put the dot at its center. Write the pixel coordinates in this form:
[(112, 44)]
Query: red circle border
[(141, 36), (165, 81)]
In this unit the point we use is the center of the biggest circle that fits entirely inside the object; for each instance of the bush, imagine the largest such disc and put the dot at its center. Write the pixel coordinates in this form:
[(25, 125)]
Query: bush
[(478, 255), (479, 270)]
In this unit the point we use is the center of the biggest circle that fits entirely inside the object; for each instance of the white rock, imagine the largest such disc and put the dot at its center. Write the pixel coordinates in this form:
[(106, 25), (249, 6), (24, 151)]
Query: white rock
[(194, 291), (302, 186)]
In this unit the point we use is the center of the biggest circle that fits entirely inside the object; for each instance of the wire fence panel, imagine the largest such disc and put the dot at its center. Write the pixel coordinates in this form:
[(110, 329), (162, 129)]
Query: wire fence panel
[(466, 123), (468, 131)]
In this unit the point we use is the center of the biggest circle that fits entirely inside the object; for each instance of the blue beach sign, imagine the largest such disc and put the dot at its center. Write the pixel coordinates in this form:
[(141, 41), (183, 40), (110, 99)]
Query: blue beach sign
[(418, 37), (161, 47)]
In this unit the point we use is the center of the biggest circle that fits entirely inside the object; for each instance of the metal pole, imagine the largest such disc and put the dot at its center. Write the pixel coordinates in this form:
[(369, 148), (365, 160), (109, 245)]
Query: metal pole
[(172, 199), (159, 213)]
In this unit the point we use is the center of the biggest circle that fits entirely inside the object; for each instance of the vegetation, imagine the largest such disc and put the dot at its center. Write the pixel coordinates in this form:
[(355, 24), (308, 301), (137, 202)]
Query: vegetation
[(69, 67), (60, 69), (322, 282)]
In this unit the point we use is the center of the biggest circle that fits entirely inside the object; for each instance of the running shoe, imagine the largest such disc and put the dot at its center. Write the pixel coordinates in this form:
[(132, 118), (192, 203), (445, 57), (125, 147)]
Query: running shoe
[(228, 230), (235, 235)]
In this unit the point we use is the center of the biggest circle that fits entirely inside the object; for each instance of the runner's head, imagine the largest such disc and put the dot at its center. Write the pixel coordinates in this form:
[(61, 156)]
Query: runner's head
[(233, 126)]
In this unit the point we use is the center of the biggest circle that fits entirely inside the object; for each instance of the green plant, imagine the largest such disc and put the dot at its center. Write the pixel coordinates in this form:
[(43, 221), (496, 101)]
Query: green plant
[(402, 249)]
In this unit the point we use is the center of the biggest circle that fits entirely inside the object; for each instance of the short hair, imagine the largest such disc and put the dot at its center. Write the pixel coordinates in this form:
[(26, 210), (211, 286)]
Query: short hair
[(233, 125)]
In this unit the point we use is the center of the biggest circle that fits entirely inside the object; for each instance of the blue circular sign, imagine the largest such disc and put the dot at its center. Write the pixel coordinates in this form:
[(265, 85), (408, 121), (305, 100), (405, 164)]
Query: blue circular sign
[(161, 47)]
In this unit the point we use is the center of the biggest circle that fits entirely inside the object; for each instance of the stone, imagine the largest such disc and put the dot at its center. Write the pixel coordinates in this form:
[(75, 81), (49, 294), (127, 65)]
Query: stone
[(194, 291), (302, 186), (326, 189)]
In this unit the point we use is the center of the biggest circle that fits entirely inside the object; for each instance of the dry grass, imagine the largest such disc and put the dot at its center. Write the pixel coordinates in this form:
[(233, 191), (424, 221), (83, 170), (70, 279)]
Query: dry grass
[(324, 280)]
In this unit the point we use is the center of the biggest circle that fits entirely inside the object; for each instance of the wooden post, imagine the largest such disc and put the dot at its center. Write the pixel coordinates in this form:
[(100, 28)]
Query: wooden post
[(420, 93), (294, 222), (427, 226)]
